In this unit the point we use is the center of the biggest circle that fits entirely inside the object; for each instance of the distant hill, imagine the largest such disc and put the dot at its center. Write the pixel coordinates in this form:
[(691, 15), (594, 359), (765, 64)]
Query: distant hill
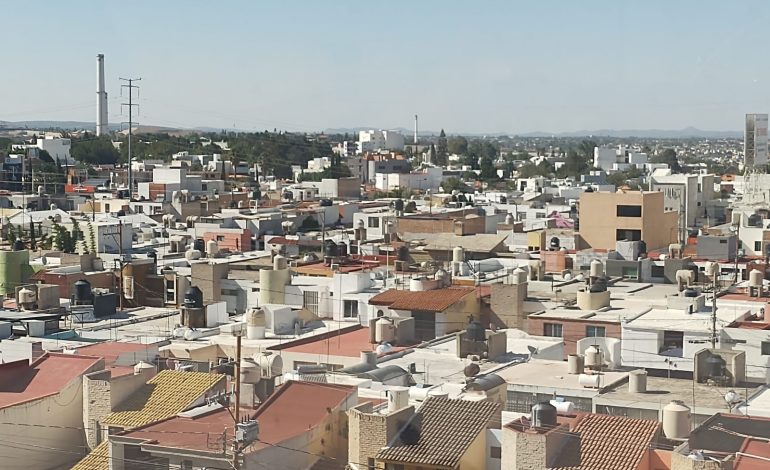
[(688, 132)]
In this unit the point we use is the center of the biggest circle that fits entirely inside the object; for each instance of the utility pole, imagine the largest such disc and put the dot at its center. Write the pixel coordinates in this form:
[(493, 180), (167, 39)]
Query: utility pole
[(237, 377), (130, 105), (714, 311)]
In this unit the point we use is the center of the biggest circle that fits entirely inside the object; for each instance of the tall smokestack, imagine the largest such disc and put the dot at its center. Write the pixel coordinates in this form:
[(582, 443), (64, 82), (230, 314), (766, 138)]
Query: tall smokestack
[(101, 97), (415, 129)]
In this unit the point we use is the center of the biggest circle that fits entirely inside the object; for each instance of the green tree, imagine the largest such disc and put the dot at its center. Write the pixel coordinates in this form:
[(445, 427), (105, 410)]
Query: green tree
[(94, 150), (442, 152), (457, 145), (453, 183), (488, 170), (574, 165), (668, 156)]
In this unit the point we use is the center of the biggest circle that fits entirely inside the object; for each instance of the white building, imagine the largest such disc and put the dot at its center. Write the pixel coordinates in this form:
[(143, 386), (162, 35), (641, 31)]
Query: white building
[(755, 141), (371, 140), (605, 158), (58, 148)]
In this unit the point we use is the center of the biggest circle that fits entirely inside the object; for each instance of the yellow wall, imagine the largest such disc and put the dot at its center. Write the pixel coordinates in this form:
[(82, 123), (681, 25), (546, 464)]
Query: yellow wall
[(599, 220)]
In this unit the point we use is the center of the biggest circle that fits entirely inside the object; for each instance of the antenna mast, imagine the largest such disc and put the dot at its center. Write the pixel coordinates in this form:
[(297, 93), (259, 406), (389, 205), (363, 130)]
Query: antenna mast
[(130, 105)]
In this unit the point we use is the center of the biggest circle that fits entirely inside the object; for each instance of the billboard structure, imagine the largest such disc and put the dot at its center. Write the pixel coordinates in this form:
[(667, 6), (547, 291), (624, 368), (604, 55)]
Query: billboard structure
[(755, 142)]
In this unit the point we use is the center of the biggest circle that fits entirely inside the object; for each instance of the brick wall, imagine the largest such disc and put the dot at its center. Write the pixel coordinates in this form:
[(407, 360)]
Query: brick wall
[(506, 304), (369, 432), (96, 404), (572, 330)]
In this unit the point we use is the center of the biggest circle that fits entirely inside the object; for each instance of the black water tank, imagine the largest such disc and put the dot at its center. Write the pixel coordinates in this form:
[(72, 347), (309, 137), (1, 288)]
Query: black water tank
[(257, 194), (589, 189), (402, 254), (153, 256), (599, 285), (399, 205), (690, 293), (715, 366), (475, 332), (503, 200), (325, 202), (288, 195), (193, 297), (643, 247), (342, 249), (543, 415), (330, 250), (755, 220), (199, 245), (18, 245), (555, 243), (83, 292), (121, 213)]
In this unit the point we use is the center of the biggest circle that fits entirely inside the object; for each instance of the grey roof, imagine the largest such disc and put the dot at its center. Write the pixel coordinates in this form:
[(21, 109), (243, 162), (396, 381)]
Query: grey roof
[(441, 431), (482, 242), (383, 374)]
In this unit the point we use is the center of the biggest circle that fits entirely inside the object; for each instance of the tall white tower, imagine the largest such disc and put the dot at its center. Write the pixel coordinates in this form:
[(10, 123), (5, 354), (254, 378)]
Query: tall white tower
[(415, 129), (101, 97)]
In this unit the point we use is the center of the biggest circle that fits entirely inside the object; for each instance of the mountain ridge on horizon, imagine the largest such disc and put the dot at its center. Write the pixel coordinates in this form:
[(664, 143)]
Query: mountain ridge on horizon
[(687, 132)]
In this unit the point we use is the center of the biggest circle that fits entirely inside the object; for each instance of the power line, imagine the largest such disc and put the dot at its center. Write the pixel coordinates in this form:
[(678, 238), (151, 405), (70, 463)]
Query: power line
[(130, 105)]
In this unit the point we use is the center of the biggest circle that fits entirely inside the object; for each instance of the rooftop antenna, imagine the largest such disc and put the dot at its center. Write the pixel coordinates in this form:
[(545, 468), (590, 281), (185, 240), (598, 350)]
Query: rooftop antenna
[(130, 105)]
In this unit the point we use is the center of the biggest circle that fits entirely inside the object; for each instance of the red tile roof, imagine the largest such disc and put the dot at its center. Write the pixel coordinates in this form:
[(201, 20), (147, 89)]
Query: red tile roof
[(111, 351), (295, 408), (436, 300), (754, 455), (606, 442), (21, 382)]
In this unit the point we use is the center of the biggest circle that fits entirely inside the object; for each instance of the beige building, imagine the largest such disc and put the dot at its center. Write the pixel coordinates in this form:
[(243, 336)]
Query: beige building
[(606, 218)]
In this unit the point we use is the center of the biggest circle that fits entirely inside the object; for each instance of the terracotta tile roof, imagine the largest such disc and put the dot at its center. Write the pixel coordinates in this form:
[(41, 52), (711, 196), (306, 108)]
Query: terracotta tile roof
[(436, 300), (446, 428), (606, 442), (753, 456), (165, 395), (97, 459)]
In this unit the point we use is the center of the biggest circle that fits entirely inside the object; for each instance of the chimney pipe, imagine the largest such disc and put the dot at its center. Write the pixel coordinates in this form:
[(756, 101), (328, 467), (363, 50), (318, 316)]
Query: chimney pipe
[(415, 130), (101, 98)]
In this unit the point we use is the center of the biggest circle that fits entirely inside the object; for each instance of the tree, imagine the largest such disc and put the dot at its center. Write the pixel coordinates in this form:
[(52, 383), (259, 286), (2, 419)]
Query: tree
[(453, 183), (457, 145), (668, 156), (574, 165), (488, 170), (94, 151), (586, 148), (442, 152)]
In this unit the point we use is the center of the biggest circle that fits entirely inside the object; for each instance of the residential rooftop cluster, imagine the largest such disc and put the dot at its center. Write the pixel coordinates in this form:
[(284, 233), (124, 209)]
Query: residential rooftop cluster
[(392, 306)]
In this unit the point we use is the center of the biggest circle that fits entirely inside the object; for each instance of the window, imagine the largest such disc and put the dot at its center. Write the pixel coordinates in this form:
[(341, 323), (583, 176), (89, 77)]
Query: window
[(595, 331), (723, 241), (758, 246), (220, 238), (630, 272), (106, 207), (766, 348), (628, 234), (673, 343), (230, 292), (629, 211), (370, 463), (552, 329), (495, 452), (374, 222), (657, 271), (350, 308), (310, 300)]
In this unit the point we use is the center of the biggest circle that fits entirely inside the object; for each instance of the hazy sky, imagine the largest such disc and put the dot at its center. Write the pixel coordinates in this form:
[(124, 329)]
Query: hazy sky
[(508, 66)]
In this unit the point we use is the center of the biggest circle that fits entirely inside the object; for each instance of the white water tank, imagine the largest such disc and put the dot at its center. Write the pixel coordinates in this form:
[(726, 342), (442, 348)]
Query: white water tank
[(255, 324), (384, 331), (676, 420), (589, 380), (575, 364), (755, 278), (417, 284), (594, 357), (597, 268), (250, 371), (519, 276), (637, 381), (279, 262), (438, 393), (27, 297), (458, 255), (192, 255), (711, 268), (509, 219), (212, 248), (398, 398), (53, 207), (270, 364), (564, 408)]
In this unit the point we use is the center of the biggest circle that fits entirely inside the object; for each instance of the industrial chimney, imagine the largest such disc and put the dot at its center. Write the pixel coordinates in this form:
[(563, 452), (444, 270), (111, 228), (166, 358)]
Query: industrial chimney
[(415, 130), (101, 97)]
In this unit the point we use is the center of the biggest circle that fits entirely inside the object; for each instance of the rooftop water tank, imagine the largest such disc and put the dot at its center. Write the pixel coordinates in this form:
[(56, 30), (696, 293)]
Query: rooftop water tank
[(250, 371), (715, 366), (279, 262), (384, 331), (212, 248), (555, 243), (599, 285), (575, 364), (27, 297), (192, 255), (594, 357), (458, 255), (18, 245), (597, 268), (271, 364), (544, 415), (509, 219), (755, 220), (676, 420), (330, 250), (403, 253), (475, 332), (637, 381), (399, 205), (193, 297), (755, 278), (199, 245), (589, 380), (142, 366), (82, 292), (690, 293)]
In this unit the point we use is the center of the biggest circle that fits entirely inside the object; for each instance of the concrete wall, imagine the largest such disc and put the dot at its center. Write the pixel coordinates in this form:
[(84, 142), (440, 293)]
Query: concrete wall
[(572, 330), (368, 432), (42, 428)]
